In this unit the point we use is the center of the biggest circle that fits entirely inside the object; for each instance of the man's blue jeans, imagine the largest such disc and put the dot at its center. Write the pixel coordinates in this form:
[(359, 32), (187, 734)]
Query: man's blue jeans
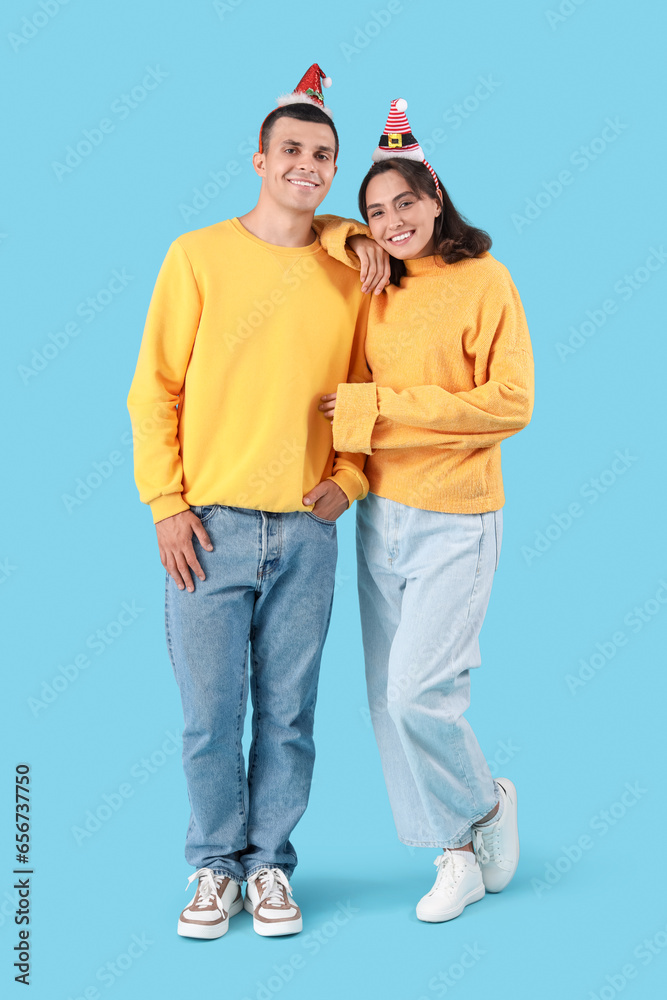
[(269, 585)]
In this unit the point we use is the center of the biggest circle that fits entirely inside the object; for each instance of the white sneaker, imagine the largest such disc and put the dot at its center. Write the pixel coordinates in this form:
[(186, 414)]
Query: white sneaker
[(496, 845), (269, 899), (458, 882), (216, 900)]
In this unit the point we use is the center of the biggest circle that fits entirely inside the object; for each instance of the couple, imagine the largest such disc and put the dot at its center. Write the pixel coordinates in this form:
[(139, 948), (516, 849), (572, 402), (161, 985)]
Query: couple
[(259, 343)]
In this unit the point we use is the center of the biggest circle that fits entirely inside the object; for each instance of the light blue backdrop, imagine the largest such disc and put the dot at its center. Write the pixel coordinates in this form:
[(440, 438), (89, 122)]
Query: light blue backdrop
[(547, 125)]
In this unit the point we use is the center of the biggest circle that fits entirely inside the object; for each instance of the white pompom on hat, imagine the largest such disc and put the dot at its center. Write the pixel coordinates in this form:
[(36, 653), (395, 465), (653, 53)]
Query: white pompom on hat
[(308, 90)]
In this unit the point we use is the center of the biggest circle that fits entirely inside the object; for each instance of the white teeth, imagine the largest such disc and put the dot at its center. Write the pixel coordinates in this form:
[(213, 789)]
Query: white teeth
[(303, 183), (400, 237)]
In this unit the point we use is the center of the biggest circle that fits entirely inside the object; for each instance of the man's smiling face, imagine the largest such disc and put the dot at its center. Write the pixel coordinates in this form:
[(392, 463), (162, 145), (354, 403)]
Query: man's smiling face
[(298, 167)]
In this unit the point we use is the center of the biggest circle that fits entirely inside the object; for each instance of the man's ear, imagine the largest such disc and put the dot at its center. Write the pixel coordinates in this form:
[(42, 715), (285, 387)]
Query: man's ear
[(259, 163), (335, 169)]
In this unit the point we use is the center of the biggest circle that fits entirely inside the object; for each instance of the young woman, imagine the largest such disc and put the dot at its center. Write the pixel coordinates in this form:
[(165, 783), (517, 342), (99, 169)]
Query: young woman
[(450, 360)]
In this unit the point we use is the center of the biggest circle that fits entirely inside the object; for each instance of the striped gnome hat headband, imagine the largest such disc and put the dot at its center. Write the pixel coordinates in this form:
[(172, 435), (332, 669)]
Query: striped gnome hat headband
[(309, 90), (398, 140)]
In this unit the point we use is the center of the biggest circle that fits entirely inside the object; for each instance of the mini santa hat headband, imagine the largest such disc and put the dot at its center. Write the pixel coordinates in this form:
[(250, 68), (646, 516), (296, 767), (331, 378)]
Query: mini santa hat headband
[(397, 140), (307, 91)]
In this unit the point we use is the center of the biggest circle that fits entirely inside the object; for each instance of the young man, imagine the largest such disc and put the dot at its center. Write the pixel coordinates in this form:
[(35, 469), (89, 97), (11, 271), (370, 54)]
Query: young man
[(250, 322)]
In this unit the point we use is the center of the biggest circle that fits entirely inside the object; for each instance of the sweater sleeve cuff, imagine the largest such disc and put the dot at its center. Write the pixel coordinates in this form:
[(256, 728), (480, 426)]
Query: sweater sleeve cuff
[(333, 233), (350, 484), (354, 417), (166, 506)]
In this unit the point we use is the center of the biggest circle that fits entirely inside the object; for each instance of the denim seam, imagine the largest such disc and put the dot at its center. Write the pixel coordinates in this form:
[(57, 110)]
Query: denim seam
[(226, 874), (498, 546), (464, 630), (455, 840), (320, 520), (476, 580), (271, 563), (212, 509), (288, 870), (256, 716), (263, 524), (170, 646), (239, 752), (397, 531)]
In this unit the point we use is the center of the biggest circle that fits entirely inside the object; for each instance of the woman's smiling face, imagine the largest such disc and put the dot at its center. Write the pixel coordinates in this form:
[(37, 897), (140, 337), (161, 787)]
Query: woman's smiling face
[(399, 220)]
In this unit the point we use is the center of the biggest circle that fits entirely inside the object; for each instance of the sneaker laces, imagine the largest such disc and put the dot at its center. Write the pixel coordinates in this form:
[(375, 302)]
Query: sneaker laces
[(486, 843), (209, 883), (273, 884), (447, 869)]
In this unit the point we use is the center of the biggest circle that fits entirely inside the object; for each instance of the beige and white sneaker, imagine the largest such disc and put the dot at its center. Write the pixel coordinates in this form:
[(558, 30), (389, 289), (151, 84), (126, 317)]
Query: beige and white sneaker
[(458, 882), (269, 899), (216, 900)]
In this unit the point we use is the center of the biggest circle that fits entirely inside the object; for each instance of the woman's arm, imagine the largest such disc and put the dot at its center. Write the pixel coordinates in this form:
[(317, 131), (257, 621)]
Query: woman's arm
[(351, 243), (370, 416), (333, 232)]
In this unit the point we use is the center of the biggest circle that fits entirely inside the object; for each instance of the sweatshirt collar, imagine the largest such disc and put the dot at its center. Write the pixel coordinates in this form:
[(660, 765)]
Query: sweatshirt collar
[(425, 265), (311, 248)]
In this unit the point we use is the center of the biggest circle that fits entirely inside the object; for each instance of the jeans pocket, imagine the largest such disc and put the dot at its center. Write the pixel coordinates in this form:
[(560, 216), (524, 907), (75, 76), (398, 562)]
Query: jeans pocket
[(498, 524), (321, 520), (205, 512)]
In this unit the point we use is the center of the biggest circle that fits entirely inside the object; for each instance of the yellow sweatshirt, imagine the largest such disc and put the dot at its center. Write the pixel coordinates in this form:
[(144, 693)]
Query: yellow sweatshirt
[(451, 366), (241, 340)]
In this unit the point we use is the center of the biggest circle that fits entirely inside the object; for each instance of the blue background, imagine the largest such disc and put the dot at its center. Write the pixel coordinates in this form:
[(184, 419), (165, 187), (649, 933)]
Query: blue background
[(569, 922)]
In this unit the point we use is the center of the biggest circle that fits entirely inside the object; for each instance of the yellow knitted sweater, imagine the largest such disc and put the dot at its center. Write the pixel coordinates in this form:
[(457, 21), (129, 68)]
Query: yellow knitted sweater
[(450, 376)]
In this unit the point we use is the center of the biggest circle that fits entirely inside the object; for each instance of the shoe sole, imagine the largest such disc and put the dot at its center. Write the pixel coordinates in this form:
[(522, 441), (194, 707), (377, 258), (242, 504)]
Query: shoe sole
[(510, 790), (440, 917), (277, 929), (205, 933)]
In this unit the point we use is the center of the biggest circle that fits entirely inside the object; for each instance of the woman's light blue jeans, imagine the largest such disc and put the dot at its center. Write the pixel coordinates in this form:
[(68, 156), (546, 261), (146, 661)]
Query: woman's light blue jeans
[(424, 584), (269, 587)]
